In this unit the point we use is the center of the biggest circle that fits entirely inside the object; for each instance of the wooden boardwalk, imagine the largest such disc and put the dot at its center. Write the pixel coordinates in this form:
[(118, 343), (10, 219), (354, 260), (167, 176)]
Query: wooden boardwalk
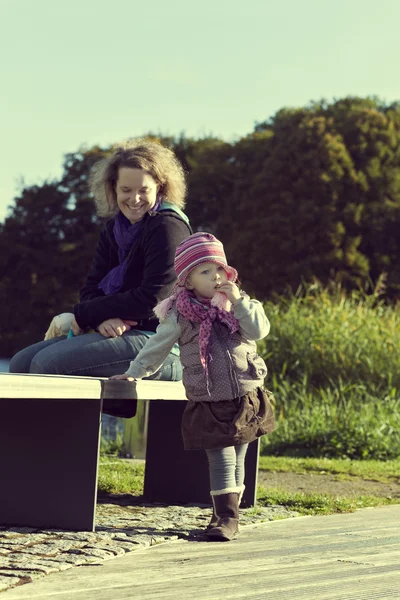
[(337, 557)]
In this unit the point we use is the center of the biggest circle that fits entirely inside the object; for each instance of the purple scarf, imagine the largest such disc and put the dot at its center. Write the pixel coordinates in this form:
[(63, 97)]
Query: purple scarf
[(125, 234), (205, 314)]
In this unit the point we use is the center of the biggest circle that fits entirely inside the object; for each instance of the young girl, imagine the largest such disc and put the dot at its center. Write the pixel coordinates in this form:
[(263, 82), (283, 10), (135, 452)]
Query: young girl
[(216, 326)]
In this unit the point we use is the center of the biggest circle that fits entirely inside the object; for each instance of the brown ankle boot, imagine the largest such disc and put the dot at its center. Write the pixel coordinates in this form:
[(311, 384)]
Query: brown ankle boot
[(214, 518), (227, 509)]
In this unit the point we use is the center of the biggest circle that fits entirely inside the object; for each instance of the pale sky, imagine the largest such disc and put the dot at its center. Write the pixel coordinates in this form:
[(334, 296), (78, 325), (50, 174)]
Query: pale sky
[(85, 72)]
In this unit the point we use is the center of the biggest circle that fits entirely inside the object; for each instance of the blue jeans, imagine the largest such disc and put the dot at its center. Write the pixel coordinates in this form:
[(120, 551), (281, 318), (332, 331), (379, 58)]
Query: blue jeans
[(90, 355)]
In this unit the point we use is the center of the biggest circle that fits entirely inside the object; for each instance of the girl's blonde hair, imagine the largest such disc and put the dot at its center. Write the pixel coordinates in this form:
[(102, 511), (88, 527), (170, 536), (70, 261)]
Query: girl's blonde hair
[(149, 156)]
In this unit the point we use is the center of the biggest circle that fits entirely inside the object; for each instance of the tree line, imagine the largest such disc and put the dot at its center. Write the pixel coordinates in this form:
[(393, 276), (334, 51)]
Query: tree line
[(311, 193)]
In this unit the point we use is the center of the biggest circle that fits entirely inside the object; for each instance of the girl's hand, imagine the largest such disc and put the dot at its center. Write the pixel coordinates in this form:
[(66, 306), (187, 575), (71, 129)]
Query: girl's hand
[(76, 330), (231, 290), (123, 376), (114, 327)]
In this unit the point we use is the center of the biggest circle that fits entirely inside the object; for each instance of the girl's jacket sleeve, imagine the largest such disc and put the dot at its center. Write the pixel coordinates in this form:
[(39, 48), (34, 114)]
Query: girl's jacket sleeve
[(253, 321), (153, 354)]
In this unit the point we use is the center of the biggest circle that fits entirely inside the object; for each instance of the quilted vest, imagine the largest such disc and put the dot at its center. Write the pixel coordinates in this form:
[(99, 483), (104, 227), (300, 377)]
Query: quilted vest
[(234, 368)]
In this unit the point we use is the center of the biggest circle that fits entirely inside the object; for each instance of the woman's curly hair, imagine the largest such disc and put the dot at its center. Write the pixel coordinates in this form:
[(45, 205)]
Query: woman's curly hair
[(149, 156)]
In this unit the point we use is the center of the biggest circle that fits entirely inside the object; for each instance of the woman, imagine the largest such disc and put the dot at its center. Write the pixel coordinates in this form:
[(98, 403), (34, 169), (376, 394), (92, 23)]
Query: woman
[(141, 186)]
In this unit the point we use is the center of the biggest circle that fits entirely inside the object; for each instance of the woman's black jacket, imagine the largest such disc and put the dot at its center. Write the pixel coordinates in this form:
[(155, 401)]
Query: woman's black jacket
[(149, 277)]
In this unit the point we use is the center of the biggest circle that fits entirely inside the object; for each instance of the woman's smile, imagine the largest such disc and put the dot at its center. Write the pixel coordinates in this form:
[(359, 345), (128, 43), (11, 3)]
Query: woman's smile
[(136, 193), (135, 207)]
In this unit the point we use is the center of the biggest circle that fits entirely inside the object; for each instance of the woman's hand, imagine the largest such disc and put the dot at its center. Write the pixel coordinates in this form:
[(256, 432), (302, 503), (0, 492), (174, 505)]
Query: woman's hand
[(231, 290), (115, 327), (76, 330), (123, 376)]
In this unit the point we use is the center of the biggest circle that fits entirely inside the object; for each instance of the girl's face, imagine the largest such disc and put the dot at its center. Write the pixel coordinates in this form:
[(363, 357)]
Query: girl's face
[(136, 193), (205, 279)]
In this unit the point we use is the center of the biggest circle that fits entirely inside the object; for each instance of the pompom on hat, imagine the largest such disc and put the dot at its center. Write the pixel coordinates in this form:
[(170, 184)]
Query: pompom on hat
[(200, 248)]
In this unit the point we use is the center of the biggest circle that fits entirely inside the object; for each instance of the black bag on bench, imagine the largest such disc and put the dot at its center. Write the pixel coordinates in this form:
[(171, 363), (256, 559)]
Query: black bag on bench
[(119, 408)]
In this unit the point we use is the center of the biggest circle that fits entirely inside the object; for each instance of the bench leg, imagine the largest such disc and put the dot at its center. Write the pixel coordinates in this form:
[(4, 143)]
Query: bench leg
[(48, 462), (176, 476)]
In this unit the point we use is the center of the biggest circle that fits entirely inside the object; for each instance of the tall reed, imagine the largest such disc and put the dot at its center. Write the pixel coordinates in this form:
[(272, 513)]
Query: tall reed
[(334, 367)]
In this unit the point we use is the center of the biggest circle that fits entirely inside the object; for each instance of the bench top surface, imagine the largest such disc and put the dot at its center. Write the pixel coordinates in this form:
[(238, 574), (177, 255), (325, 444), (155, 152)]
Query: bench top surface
[(13, 385)]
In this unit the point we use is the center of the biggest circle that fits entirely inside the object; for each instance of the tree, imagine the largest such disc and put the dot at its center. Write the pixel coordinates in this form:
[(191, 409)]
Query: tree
[(31, 282), (48, 242), (326, 200), (311, 192)]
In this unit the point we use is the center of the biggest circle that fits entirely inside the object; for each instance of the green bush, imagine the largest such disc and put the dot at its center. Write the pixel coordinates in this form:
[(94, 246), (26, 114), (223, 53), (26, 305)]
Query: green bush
[(335, 422), (334, 370)]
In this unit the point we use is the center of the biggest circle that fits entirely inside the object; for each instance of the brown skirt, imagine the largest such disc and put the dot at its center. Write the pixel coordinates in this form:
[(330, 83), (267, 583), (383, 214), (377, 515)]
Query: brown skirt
[(209, 425)]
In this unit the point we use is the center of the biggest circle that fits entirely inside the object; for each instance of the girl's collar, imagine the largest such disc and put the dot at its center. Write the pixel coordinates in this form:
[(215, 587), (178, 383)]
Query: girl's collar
[(205, 302)]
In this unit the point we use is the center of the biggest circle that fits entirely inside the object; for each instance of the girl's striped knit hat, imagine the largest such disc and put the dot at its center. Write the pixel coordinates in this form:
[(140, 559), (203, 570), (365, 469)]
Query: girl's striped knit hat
[(200, 248)]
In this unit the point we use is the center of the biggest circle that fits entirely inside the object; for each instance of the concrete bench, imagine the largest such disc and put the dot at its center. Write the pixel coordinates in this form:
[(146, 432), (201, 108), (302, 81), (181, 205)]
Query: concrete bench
[(50, 428)]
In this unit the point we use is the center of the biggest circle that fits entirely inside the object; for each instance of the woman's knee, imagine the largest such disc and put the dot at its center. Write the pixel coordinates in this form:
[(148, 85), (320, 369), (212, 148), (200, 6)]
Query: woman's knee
[(41, 366), (48, 360), (20, 362), (23, 360), (89, 355)]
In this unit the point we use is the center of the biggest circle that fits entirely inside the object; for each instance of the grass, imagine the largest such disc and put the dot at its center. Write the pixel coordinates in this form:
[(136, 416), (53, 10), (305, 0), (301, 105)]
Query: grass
[(120, 477), (333, 362), (318, 504), (327, 335), (374, 470), (342, 420)]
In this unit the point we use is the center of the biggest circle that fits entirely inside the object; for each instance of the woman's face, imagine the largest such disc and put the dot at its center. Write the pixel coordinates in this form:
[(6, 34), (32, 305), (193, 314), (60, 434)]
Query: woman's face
[(136, 193)]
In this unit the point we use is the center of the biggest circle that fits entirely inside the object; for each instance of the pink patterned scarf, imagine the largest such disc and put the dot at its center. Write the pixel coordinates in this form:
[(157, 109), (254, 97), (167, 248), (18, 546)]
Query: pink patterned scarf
[(205, 314)]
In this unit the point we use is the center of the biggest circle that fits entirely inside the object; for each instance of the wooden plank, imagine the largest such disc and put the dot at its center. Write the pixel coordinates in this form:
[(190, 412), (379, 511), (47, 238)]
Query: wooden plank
[(14, 385), (337, 557), (145, 389), (54, 387)]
